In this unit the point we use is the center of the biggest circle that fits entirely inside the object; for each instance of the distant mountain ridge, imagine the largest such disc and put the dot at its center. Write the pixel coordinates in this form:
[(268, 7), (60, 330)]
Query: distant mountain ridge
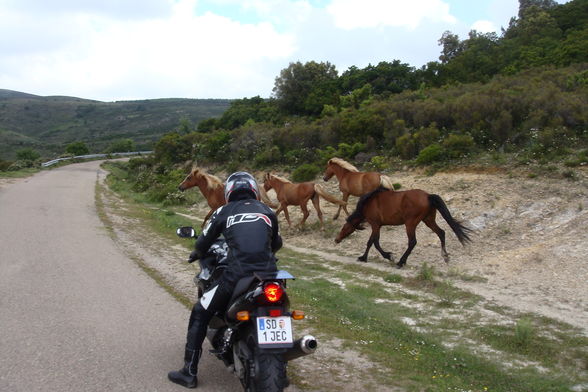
[(48, 124)]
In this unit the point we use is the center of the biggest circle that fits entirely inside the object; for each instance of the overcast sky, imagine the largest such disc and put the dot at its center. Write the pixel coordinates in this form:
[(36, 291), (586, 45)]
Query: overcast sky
[(112, 50)]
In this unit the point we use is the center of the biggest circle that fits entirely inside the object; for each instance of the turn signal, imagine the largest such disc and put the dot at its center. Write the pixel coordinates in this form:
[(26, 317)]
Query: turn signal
[(243, 315), (297, 314), (273, 292)]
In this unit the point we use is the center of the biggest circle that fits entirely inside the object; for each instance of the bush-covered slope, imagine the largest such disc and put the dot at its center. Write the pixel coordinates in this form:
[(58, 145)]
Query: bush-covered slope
[(50, 123)]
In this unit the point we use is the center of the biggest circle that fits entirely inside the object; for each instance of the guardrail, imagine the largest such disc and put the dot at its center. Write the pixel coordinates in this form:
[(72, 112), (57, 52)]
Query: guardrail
[(92, 156)]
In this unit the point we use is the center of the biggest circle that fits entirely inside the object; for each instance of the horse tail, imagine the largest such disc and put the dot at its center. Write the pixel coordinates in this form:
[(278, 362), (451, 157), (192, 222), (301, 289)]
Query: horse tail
[(462, 232), (386, 182), (265, 198), (318, 189)]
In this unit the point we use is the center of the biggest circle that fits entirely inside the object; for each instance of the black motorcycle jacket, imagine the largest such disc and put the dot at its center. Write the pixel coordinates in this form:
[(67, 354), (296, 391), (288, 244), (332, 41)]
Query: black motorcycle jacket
[(251, 231)]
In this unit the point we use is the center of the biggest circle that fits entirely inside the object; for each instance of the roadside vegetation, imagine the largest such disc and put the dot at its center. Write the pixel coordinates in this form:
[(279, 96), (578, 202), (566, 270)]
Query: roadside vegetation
[(418, 330)]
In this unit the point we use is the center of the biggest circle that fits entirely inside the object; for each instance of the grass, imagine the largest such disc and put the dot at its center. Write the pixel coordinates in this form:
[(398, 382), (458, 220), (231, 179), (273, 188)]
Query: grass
[(367, 310), (19, 173)]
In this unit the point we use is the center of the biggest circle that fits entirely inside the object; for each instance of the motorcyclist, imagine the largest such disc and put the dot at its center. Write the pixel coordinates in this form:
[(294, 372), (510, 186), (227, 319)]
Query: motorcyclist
[(251, 231)]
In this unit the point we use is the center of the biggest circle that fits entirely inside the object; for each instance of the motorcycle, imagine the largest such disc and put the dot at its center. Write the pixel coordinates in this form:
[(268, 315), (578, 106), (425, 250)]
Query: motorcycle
[(253, 336)]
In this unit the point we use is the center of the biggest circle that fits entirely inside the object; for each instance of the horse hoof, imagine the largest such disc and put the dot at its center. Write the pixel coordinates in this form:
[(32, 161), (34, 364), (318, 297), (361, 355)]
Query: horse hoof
[(387, 256), (399, 266), (362, 259)]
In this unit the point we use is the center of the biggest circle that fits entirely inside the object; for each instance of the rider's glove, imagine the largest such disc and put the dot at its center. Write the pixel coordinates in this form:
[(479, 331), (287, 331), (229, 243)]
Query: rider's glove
[(193, 256)]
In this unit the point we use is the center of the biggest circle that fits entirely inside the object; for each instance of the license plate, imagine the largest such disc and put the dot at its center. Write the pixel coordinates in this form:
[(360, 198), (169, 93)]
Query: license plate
[(274, 330)]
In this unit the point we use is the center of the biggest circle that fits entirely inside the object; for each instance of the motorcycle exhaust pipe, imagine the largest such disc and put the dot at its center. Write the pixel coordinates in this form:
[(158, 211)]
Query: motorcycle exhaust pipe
[(303, 346)]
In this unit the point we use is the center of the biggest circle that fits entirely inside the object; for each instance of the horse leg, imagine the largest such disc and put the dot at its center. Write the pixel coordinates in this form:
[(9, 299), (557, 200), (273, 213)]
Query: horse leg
[(305, 214), (285, 208), (411, 233), (345, 197), (386, 255), (430, 221), (317, 206), (363, 257)]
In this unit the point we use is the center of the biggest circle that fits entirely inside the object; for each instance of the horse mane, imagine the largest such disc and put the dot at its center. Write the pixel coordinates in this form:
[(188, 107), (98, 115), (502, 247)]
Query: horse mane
[(212, 181), (344, 164), (358, 213), (279, 178)]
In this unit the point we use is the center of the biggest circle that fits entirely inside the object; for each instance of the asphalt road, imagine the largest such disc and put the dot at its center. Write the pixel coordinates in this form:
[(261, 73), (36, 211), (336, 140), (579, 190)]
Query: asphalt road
[(75, 313)]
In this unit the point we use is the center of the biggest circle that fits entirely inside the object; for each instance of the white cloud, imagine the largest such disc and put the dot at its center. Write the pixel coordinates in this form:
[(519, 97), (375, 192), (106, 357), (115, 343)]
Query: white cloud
[(183, 55), (352, 14), (485, 26)]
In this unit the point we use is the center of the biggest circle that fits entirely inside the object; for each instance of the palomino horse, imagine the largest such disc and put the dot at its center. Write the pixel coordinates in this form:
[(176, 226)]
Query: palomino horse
[(384, 207), (298, 195), (353, 182), (212, 189)]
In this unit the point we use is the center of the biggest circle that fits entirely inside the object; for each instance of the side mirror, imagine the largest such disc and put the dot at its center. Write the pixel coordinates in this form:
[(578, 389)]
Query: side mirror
[(186, 232)]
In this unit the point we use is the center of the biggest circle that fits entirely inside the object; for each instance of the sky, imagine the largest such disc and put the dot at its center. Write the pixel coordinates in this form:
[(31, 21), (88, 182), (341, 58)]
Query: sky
[(111, 50)]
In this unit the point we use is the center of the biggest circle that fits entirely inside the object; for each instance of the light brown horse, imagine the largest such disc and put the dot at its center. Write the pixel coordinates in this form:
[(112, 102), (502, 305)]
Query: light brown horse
[(298, 194), (213, 190), (384, 207), (211, 186), (353, 182)]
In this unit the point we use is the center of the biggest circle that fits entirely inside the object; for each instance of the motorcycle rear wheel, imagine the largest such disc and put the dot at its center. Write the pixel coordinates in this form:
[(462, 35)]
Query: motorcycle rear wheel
[(271, 374)]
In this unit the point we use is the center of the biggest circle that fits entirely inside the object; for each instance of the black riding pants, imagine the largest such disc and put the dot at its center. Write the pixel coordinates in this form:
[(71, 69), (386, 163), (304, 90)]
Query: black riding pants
[(214, 300)]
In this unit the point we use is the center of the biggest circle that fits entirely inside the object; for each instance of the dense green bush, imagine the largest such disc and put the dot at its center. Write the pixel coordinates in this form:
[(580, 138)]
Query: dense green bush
[(4, 165), (431, 154), (305, 172), (458, 146)]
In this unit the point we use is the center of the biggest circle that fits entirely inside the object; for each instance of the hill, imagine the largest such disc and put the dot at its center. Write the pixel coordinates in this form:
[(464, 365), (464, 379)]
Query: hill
[(48, 124)]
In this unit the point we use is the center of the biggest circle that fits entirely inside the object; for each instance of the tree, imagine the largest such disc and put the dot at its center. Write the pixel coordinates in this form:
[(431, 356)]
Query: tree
[(77, 148), (524, 5), (452, 46), (27, 154), (122, 145), (305, 88)]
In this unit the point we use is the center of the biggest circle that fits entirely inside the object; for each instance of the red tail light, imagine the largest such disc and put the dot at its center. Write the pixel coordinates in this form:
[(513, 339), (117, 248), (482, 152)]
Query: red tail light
[(273, 292)]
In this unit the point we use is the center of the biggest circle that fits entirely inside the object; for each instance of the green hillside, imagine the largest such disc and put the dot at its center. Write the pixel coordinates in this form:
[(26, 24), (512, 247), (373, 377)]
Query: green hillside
[(48, 124)]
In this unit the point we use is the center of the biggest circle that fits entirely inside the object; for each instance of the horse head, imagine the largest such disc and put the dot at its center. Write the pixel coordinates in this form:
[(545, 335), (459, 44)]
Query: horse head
[(329, 172), (266, 181), (349, 227), (190, 180)]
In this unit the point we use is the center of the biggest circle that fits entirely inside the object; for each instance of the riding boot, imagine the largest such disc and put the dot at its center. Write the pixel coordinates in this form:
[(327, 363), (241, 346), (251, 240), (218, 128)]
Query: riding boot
[(187, 375)]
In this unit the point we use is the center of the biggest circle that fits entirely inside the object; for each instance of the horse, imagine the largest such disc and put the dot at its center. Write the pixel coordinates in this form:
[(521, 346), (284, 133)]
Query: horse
[(298, 194), (213, 190), (211, 186), (385, 207), (353, 182)]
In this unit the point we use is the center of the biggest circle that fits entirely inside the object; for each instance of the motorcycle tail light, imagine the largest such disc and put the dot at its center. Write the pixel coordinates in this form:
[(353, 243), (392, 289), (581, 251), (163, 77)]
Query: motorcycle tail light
[(273, 292), (275, 312)]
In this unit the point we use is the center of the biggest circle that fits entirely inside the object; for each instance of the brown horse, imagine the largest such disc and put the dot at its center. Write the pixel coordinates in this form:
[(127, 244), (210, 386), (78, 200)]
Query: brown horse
[(212, 188), (298, 195), (353, 182), (384, 207)]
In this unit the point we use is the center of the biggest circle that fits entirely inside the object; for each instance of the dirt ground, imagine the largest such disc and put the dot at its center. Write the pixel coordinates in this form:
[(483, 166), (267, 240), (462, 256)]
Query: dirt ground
[(529, 250)]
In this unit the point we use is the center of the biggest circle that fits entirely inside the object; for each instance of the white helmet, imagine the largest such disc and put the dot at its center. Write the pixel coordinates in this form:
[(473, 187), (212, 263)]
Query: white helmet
[(241, 182)]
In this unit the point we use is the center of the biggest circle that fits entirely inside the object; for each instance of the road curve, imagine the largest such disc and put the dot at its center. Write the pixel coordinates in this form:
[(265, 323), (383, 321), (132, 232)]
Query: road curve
[(75, 313)]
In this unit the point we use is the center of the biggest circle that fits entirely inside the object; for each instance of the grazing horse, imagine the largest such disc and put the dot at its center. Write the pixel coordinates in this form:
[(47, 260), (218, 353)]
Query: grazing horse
[(212, 188), (298, 195), (353, 182), (384, 207)]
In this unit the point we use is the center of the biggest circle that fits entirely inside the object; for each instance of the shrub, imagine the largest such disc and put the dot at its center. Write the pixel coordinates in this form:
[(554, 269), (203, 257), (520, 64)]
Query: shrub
[(4, 165), (431, 154), (458, 146), (27, 154), (77, 148), (305, 172), (406, 146)]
